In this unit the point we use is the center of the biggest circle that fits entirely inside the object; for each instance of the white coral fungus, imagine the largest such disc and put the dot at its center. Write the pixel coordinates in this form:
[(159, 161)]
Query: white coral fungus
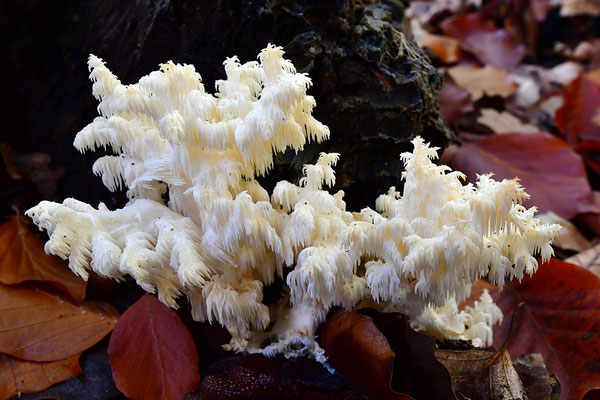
[(220, 237)]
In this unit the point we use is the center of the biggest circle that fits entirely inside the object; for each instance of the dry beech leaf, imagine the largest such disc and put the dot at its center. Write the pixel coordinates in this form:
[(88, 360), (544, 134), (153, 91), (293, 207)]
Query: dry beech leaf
[(445, 48), (502, 122), (534, 375), (22, 258), (383, 357), (479, 36), (575, 118), (482, 374), (19, 376), (480, 81), (152, 353), (559, 319), (552, 173), (588, 259), (569, 237), (570, 8), (358, 350), (454, 101), (39, 325)]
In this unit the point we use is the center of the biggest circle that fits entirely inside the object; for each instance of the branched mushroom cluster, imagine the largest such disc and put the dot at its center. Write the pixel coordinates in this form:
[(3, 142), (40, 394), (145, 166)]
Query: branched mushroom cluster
[(221, 237)]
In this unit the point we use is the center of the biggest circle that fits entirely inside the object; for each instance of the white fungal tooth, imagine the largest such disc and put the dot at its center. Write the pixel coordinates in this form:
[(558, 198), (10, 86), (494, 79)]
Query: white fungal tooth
[(221, 237)]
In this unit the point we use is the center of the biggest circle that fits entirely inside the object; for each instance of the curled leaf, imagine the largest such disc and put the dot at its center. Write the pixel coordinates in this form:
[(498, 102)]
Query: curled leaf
[(383, 357), (482, 374)]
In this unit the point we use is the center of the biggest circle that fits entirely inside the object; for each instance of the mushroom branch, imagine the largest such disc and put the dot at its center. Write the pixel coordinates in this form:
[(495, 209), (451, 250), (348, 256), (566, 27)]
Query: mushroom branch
[(198, 223)]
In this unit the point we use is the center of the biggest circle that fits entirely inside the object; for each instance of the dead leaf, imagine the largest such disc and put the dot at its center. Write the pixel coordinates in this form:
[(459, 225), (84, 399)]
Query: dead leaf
[(254, 376), (551, 104), (560, 319), (552, 173), (575, 118), (570, 8), (445, 48), (534, 375), (152, 353), (594, 76), (383, 357), (590, 150), (358, 350), (483, 81), (19, 376), (588, 259), (454, 101), (479, 36), (502, 122), (39, 325), (462, 26), (22, 258), (482, 374), (569, 237)]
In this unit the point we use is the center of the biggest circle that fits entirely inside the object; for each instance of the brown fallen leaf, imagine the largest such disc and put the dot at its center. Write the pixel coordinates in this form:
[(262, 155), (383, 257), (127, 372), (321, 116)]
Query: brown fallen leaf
[(552, 173), (480, 81), (19, 376), (478, 35), (482, 374), (570, 8), (454, 101), (560, 319), (358, 350), (445, 48), (569, 238), (588, 259), (22, 258), (534, 375), (575, 118), (502, 122), (39, 325), (383, 357), (152, 353)]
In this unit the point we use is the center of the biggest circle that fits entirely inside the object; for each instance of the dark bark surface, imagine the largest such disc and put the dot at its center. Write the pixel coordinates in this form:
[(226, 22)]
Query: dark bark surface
[(373, 88)]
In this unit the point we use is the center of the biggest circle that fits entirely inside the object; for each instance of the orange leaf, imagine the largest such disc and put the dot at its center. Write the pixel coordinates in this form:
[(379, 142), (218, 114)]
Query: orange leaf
[(552, 173), (445, 48), (38, 325), (22, 258), (360, 352), (383, 357), (152, 353), (18, 376), (479, 36), (575, 118), (560, 319)]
